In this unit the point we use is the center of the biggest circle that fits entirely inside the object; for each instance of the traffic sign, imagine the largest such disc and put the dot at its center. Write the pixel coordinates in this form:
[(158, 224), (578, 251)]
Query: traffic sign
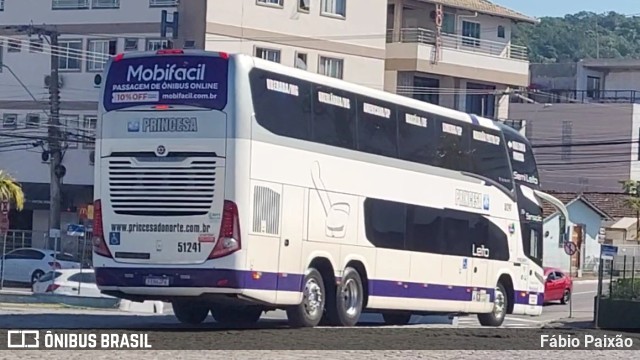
[(4, 207), (75, 230), (570, 248), (607, 252)]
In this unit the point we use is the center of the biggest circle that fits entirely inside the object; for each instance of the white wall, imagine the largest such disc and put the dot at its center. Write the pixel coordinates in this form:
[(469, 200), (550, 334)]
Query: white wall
[(635, 132), (363, 26), (622, 80), (24, 12)]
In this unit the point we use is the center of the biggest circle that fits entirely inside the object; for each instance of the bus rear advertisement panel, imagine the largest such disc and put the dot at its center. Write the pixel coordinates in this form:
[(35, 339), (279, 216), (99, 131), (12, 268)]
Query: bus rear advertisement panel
[(199, 81)]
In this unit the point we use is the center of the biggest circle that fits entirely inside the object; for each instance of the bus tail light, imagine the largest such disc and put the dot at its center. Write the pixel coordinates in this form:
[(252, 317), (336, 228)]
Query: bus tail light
[(99, 244), (229, 239), (169, 51)]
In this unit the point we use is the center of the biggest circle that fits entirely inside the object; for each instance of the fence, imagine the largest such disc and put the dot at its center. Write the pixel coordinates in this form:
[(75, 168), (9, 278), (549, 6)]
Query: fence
[(79, 247), (621, 275)]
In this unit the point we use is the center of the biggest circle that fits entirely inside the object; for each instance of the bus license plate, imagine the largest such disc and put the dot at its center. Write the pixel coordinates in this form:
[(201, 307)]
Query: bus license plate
[(155, 281)]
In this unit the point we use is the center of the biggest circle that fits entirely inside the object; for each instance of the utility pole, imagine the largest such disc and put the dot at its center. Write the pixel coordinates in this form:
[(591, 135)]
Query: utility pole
[(55, 135), (55, 148)]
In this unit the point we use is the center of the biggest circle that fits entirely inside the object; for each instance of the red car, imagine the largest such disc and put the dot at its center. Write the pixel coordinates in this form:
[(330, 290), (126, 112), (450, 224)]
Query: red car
[(558, 286)]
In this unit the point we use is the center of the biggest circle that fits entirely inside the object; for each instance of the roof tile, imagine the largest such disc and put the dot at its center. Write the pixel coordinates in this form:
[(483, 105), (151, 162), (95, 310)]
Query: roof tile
[(486, 7), (613, 204)]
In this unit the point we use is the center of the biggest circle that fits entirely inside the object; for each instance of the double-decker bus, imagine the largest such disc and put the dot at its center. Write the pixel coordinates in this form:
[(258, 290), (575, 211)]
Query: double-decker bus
[(230, 185)]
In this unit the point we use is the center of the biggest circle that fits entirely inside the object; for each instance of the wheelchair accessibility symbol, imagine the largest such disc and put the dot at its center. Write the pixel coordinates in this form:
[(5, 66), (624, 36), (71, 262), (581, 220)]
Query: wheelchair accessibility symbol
[(114, 238)]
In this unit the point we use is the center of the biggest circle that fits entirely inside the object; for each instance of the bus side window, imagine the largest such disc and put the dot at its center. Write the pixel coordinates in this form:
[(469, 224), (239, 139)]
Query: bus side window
[(489, 157), (417, 139), (385, 223), (282, 104), (377, 127), (334, 117), (453, 145)]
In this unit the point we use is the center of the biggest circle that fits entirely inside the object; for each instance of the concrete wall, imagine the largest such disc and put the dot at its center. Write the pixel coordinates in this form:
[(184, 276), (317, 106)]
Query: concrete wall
[(588, 168)]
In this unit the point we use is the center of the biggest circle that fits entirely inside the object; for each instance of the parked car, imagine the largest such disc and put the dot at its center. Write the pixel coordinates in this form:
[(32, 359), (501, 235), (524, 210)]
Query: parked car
[(68, 282), (26, 265), (558, 286)]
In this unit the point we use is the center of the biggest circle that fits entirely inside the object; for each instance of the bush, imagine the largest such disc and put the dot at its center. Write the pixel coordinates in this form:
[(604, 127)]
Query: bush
[(625, 289)]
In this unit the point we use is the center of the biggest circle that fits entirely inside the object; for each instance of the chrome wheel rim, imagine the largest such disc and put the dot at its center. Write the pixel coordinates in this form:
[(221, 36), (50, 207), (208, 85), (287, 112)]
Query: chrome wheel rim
[(351, 297), (499, 304), (312, 298)]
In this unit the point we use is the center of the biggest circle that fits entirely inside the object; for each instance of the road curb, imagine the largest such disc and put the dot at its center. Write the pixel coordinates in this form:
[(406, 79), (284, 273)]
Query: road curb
[(60, 300)]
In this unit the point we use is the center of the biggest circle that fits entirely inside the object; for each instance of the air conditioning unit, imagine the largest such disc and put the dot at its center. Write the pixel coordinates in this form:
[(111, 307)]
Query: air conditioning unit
[(47, 81)]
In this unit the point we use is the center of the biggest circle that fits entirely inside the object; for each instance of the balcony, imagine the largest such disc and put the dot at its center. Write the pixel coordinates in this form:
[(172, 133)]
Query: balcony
[(459, 42), (459, 56)]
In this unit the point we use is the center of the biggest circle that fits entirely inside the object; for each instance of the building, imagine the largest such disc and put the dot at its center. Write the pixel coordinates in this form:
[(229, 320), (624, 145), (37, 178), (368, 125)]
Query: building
[(587, 220), (90, 31), (338, 38), (455, 53), (586, 125)]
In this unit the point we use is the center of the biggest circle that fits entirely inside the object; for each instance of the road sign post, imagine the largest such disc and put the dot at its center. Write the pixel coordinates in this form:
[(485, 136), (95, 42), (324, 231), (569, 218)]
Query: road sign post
[(78, 230), (570, 249), (5, 206)]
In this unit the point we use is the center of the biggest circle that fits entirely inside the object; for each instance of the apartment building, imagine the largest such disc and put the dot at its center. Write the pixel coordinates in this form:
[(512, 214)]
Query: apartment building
[(338, 38), (455, 53), (90, 31), (585, 123)]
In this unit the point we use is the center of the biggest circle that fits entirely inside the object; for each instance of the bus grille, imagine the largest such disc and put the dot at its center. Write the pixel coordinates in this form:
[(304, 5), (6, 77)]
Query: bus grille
[(162, 188)]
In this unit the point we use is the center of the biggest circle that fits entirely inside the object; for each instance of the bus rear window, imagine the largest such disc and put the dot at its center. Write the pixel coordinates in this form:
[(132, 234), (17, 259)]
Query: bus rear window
[(199, 81)]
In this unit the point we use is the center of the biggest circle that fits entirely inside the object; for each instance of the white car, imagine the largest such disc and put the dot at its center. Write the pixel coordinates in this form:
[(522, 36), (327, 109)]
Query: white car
[(68, 282), (26, 265)]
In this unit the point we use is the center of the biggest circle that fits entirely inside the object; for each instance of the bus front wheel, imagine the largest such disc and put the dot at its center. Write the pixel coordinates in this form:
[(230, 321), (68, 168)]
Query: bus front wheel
[(190, 313), (309, 312), (500, 306)]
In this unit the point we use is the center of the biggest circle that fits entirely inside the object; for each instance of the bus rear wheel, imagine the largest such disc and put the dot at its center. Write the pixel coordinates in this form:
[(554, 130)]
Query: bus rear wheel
[(345, 308), (190, 313), (310, 311), (500, 305), (237, 315)]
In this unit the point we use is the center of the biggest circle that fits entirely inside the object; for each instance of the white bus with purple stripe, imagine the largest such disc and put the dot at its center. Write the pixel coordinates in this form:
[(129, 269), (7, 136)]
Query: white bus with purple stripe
[(229, 185)]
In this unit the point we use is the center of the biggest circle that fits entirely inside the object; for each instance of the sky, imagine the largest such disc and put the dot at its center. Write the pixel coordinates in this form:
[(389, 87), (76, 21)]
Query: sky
[(540, 8)]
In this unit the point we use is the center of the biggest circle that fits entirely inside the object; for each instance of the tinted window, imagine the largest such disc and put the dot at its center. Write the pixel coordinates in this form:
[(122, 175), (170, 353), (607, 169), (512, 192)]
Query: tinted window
[(65, 257), (88, 278), (447, 232), (489, 157), (385, 223), (377, 127), (282, 104), (49, 276), (416, 136), (334, 117), (453, 145)]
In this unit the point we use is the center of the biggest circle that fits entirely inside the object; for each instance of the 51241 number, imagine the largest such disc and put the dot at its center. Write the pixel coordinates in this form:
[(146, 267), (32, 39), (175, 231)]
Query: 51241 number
[(189, 247)]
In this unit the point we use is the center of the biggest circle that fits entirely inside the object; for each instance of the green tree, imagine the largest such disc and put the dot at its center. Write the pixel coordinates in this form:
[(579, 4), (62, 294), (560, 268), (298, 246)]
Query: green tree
[(11, 190), (632, 188), (579, 36)]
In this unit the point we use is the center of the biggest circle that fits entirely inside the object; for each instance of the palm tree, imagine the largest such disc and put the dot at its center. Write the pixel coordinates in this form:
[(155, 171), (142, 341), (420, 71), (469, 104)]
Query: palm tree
[(11, 190)]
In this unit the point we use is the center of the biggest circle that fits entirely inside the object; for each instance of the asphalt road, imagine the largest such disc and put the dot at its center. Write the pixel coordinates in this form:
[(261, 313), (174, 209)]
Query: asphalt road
[(273, 329)]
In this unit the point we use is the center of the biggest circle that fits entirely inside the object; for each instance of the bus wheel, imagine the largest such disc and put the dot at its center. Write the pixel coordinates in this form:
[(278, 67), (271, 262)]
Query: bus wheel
[(309, 312), (346, 308), (245, 315), (190, 313), (500, 306), (396, 318)]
